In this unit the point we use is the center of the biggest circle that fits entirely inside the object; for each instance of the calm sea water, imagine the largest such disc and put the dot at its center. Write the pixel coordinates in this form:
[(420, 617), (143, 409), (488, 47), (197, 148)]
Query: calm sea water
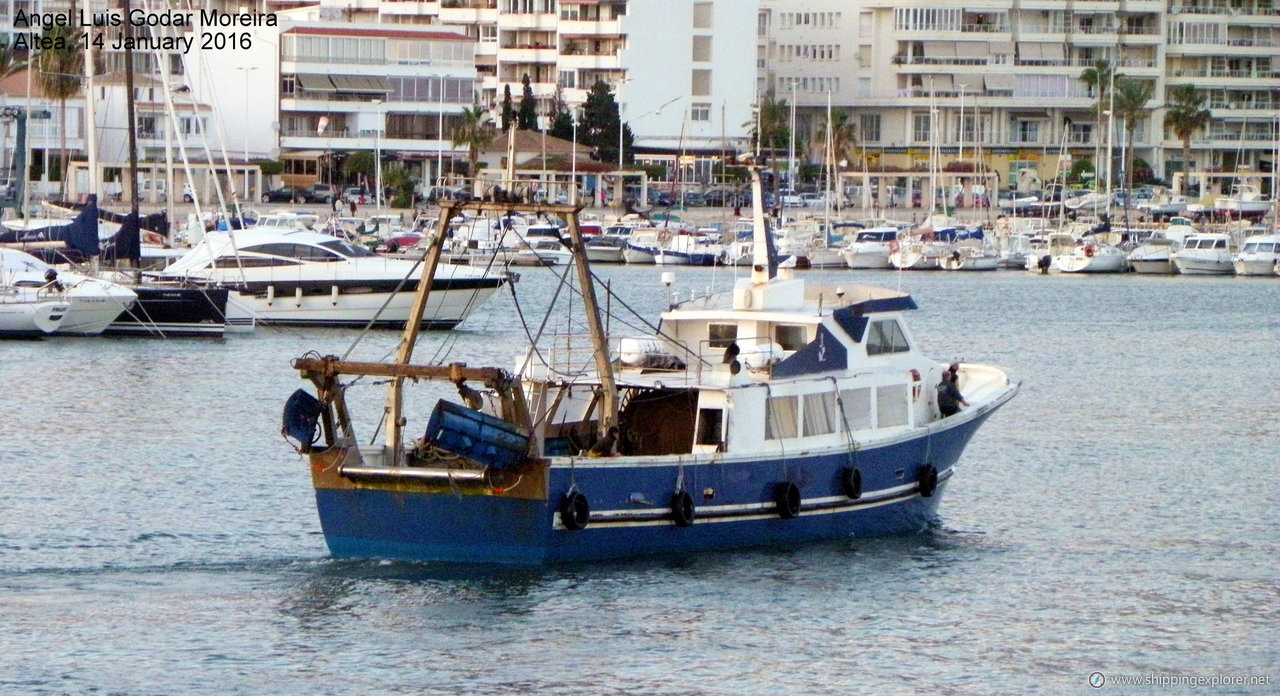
[(157, 536)]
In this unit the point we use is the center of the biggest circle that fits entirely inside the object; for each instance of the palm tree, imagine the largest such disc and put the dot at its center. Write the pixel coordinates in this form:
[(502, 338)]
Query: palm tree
[(843, 136), (60, 74), (1131, 97), (1099, 80), (1185, 116), (9, 61), (476, 133), (770, 130)]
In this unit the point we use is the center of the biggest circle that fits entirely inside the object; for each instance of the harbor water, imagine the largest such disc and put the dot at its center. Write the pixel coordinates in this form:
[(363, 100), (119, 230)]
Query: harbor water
[(1117, 518)]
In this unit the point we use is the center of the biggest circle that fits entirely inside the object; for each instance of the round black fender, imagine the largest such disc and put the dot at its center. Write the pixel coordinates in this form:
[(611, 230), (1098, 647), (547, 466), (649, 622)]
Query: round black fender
[(574, 511), (928, 480), (786, 496), (851, 482), (682, 508)]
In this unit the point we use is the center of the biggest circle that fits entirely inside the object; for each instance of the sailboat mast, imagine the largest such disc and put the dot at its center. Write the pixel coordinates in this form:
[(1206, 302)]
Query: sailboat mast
[(131, 128)]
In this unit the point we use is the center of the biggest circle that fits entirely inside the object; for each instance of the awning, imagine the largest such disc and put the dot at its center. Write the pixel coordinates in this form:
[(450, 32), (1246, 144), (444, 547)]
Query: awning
[(1052, 51), (940, 83), (1029, 51), (316, 83), (361, 83), (973, 49), (1002, 47), (939, 49), (996, 81), (1029, 115)]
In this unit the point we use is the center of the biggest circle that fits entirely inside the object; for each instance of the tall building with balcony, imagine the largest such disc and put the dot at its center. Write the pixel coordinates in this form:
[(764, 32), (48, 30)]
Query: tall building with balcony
[(346, 88), (678, 68), (1002, 79)]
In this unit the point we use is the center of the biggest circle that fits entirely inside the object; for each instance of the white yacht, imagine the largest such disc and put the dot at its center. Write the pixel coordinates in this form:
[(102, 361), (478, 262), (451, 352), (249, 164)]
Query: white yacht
[(92, 303), (1204, 253), (870, 248), (1153, 254), (1258, 255), (311, 279)]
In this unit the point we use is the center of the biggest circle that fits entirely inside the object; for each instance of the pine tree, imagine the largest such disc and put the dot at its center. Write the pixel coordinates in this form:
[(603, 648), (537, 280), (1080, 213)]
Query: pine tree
[(508, 108), (527, 117), (599, 124)]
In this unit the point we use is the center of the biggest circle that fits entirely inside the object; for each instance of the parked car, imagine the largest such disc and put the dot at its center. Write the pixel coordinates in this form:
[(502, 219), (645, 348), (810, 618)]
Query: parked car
[(318, 193), (359, 194), (399, 242), (813, 200), (284, 194), (8, 189), (790, 198), (692, 199)]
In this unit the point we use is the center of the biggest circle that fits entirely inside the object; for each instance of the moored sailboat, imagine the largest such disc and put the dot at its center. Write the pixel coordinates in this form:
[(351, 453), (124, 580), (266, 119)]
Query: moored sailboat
[(776, 413)]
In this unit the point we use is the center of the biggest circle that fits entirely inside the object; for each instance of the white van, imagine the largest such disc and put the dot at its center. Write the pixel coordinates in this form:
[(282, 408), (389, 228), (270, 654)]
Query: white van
[(161, 190)]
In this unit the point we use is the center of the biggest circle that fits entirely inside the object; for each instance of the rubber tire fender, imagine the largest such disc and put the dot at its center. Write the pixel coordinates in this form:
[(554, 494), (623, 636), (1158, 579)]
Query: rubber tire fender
[(786, 496), (928, 480), (575, 511), (682, 510), (851, 482)]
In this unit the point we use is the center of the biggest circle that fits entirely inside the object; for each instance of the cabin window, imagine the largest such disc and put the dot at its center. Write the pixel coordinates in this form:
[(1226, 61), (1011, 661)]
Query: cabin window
[(790, 337), (856, 407), (722, 335), (886, 336), (710, 426), (820, 414), (891, 405), (783, 414), (251, 262)]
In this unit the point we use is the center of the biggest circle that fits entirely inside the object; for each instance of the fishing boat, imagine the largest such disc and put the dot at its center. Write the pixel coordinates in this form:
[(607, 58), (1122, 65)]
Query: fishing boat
[(871, 247), (776, 413)]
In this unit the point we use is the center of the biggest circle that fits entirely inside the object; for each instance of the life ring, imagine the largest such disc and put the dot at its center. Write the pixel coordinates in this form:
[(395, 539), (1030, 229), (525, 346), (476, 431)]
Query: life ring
[(682, 508), (1089, 249), (928, 481), (915, 384), (894, 247), (851, 482), (786, 496), (664, 237), (575, 512)]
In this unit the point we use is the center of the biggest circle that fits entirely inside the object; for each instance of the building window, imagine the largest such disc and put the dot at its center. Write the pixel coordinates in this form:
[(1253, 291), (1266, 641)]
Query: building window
[(700, 112), (701, 83), (702, 15), (702, 49), (1026, 131), (869, 125), (920, 127)]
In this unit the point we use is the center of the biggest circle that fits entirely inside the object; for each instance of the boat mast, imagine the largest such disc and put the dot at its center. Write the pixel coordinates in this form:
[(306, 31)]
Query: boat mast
[(604, 366), (132, 130), (395, 394)]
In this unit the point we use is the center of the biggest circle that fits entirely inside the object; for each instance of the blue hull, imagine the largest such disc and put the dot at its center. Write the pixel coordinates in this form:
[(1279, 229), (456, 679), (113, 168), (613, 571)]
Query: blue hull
[(735, 505)]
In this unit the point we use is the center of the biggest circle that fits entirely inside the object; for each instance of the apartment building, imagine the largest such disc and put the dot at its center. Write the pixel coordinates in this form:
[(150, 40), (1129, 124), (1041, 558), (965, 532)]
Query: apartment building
[(1001, 81)]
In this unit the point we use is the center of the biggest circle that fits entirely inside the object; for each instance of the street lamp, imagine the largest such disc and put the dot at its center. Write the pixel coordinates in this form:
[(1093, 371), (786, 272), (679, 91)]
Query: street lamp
[(620, 124), (246, 70), (960, 157), (439, 133), (377, 154), (791, 145)]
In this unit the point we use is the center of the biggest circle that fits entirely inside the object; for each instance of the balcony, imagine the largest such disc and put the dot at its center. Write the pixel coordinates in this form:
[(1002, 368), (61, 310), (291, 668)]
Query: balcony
[(468, 11)]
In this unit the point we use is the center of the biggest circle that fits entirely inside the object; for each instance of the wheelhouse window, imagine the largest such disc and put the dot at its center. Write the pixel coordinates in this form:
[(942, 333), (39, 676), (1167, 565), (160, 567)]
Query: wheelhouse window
[(710, 426), (820, 414), (251, 262), (782, 416), (305, 252), (891, 405), (886, 336), (346, 248), (790, 337), (722, 335), (855, 406)]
